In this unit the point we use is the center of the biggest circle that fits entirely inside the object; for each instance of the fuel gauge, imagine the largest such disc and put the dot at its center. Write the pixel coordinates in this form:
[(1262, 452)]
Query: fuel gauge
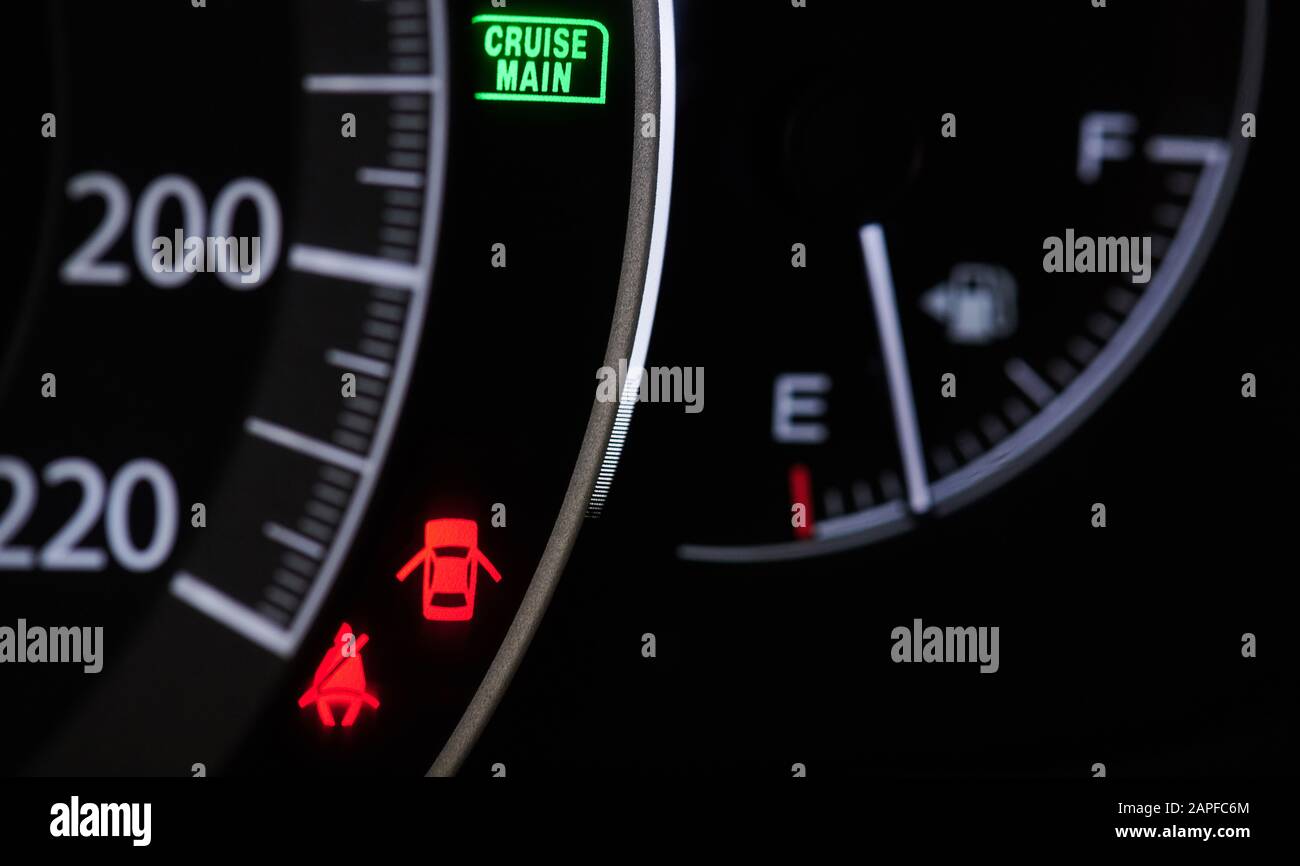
[(937, 284)]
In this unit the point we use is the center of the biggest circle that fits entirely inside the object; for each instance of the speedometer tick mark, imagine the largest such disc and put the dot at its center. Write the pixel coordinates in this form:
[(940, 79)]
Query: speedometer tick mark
[(353, 267), (289, 580), (258, 626), (371, 84), (281, 597), (314, 448), (357, 363), (286, 537), (390, 178), (350, 440)]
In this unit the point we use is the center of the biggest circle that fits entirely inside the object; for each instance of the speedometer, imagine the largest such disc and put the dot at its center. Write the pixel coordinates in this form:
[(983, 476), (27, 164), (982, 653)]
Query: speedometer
[(298, 422)]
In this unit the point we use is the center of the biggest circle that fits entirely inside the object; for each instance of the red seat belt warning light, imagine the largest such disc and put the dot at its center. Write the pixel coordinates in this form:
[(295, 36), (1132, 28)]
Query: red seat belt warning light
[(340, 680), (451, 560)]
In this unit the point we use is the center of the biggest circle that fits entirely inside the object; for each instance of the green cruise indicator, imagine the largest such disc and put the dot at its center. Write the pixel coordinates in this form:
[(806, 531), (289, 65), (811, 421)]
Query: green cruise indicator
[(530, 59)]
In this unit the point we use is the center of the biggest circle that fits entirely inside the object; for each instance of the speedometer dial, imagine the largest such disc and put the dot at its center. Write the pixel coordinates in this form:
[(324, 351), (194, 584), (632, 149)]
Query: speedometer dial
[(298, 415), (944, 271)]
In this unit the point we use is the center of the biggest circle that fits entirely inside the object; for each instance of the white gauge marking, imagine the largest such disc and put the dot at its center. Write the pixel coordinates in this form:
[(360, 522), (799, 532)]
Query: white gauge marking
[(354, 268), (354, 363), (291, 581), (1027, 380), (241, 619), (1187, 150), (371, 84), (303, 444), (390, 177), (286, 537)]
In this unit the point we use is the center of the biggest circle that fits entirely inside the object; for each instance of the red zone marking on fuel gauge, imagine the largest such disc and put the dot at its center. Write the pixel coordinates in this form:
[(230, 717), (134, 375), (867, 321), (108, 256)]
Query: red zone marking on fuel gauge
[(801, 494)]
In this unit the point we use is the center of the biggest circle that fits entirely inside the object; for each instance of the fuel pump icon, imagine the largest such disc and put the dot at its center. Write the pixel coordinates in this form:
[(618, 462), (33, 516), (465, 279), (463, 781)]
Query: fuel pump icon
[(451, 559), (340, 680)]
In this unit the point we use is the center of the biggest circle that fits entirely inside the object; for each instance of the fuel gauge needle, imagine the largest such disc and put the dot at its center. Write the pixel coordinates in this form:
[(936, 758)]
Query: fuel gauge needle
[(880, 278)]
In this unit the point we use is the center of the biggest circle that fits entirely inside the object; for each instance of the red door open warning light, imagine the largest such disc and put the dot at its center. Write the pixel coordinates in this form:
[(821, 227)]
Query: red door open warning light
[(451, 559), (340, 680)]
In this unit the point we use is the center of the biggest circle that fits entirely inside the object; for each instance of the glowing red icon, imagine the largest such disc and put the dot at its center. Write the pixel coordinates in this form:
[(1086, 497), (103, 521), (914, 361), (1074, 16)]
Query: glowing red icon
[(340, 680), (451, 559)]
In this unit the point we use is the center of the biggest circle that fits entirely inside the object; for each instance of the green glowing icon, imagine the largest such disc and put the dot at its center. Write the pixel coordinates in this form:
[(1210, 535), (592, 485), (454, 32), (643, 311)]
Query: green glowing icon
[(530, 59)]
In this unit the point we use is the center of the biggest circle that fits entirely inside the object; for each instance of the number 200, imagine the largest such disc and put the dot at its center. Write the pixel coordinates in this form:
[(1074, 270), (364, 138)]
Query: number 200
[(86, 265)]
